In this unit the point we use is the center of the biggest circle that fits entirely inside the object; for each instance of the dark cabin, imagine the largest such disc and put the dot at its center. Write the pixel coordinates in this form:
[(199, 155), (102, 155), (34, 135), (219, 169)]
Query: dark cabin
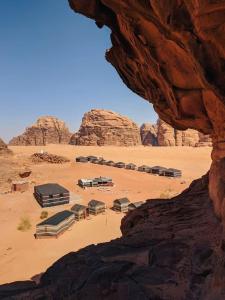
[(51, 194), (96, 207), (80, 212), (121, 204), (158, 170), (120, 164), (81, 159), (110, 163), (144, 168), (131, 166), (91, 158), (172, 172), (55, 225)]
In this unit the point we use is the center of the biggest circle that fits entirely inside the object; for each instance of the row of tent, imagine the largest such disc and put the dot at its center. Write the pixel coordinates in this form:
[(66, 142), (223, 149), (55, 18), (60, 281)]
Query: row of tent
[(63, 220), (157, 170)]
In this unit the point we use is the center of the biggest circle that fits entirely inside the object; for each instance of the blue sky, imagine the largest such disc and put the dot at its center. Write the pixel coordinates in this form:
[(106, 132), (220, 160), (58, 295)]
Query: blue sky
[(52, 63)]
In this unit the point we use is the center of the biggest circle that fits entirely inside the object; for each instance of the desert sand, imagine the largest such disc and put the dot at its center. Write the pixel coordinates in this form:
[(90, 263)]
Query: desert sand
[(22, 257)]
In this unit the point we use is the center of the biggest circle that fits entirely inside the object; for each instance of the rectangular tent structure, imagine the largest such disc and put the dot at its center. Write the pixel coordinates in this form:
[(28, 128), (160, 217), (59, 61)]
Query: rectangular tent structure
[(96, 207), (172, 172), (121, 204), (95, 182), (81, 159), (102, 162), (80, 212), (120, 164), (91, 158), (55, 225), (158, 170), (131, 166), (51, 194), (110, 163), (134, 205), (144, 168)]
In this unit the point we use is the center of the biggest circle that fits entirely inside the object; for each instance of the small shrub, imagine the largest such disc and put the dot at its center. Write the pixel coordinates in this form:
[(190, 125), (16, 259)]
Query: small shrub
[(24, 224), (44, 214)]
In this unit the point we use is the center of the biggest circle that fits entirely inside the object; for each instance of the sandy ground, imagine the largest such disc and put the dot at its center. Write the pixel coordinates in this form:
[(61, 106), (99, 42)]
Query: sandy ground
[(22, 257)]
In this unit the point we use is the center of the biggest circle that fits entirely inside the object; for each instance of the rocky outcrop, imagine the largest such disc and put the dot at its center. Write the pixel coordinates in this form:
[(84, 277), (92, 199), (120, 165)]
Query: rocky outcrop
[(4, 150), (47, 130), (172, 54), (204, 140), (149, 134), (162, 134), (169, 250), (103, 127)]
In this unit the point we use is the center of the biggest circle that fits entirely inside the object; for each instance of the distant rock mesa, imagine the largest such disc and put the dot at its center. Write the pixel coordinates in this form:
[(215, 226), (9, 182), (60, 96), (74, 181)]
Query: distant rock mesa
[(106, 128), (162, 134), (47, 130)]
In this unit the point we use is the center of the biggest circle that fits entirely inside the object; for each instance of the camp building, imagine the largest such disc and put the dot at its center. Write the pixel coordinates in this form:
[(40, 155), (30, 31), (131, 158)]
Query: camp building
[(110, 163), (121, 204), (80, 212), (131, 166), (55, 225), (99, 181), (134, 205), (96, 207), (91, 158), (82, 159), (158, 170), (144, 168), (51, 194), (120, 164), (172, 172)]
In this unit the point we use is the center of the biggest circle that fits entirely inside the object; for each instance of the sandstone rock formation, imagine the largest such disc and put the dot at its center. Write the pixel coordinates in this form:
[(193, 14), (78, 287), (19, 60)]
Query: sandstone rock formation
[(47, 130), (162, 134), (149, 134), (103, 127), (204, 140), (168, 136), (169, 250), (4, 150)]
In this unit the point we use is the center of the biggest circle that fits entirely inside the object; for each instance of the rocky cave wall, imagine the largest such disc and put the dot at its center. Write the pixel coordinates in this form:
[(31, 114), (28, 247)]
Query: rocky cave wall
[(172, 53)]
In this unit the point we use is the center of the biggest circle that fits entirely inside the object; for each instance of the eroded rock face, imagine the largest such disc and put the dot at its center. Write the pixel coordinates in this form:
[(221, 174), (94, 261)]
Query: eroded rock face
[(47, 130), (149, 134), (172, 54), (103, 127), (4, 150), (169, 250), (162, 134)]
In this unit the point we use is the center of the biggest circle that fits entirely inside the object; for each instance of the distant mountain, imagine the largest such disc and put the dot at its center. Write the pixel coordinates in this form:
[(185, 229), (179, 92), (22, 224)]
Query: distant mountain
[(47, 130)]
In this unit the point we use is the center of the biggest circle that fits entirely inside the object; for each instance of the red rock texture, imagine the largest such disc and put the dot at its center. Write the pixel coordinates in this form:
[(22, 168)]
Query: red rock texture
[(104, 128), (171, 53), (162, 134), (149, 134), (47, 130), (169, 250)]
